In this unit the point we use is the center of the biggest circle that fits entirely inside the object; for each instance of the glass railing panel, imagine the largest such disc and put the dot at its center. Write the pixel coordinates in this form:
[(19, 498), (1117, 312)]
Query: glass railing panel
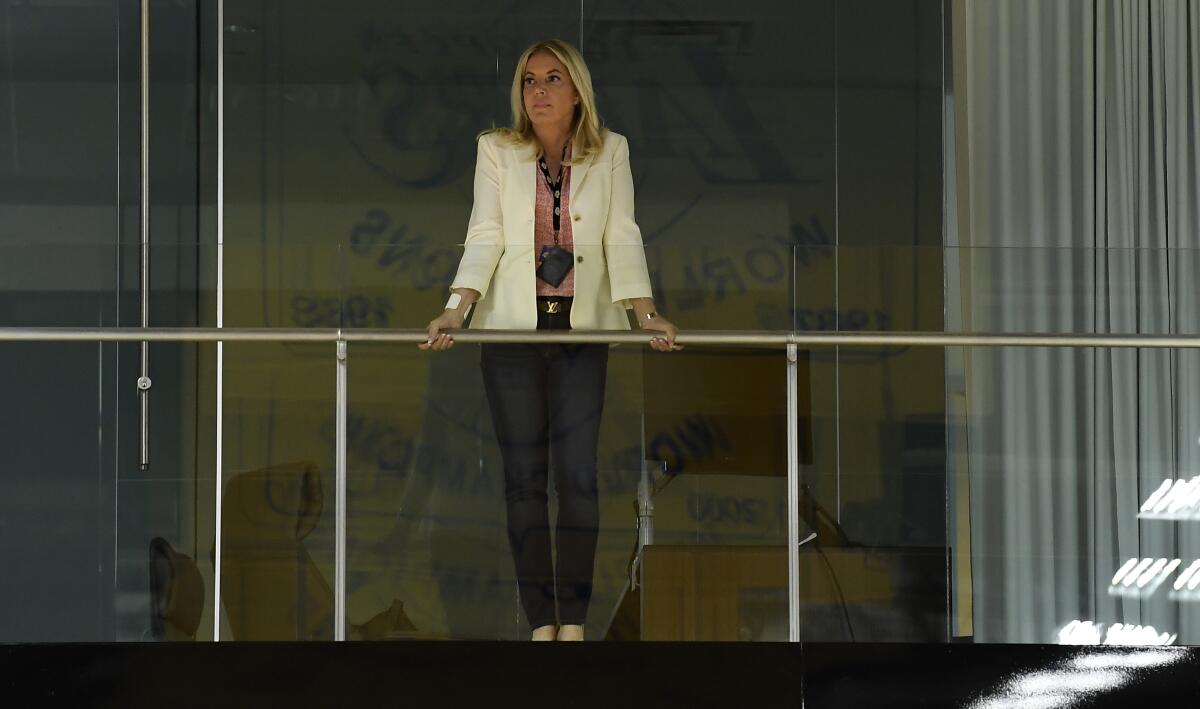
[(57, 510), (278, 492), (164, 512), (874, 496), (664, 415), (872, 431), (429, 536), (1078, 469), (715, 565), (426, 550), (872, 491), (1055, 474), (98, 547)]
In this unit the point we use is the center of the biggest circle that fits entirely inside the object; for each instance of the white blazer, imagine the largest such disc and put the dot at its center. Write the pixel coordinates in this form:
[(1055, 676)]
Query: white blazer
[(498, 256)]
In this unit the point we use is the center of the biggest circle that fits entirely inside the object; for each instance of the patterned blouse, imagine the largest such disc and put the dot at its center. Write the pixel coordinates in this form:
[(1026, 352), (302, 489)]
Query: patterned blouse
[(543, 229)]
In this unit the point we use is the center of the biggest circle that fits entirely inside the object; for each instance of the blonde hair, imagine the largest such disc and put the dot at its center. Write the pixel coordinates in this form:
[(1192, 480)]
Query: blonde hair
[(587, 133)]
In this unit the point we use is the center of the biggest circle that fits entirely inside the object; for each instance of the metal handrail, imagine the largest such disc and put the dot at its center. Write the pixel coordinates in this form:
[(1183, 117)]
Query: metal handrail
[(733, 338)]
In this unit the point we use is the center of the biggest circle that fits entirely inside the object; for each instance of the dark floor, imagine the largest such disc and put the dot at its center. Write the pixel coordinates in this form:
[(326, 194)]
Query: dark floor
[(449, 674)]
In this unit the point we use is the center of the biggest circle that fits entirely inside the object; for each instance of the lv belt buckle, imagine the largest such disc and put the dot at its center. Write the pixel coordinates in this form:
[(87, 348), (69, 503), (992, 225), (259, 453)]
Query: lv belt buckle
[(552, 306)]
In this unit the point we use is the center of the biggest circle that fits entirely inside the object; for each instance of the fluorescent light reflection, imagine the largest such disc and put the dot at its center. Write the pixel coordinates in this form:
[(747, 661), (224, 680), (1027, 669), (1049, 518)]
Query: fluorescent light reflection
[(1086, 632), (1140, 578), (1186, 588), (1133, 660), (1125, 568), (1173, 500), (1154, 570), (1077, 680), (1127, 634), (1187, 574), (1156, 495), (1137, 571), (1052, 682)]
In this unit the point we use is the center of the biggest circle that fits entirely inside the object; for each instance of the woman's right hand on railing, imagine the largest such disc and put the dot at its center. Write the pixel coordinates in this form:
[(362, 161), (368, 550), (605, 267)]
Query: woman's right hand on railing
[(440, 339)]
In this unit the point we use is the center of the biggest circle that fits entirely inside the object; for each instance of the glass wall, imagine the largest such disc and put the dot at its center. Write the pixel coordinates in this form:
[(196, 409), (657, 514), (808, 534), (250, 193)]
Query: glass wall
[(814, 167), (755, 149), (95, 548), (348, 153)]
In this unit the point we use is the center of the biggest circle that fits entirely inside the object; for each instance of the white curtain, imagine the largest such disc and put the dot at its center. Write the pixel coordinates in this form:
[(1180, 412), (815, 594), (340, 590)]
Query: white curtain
[(1075, 159)]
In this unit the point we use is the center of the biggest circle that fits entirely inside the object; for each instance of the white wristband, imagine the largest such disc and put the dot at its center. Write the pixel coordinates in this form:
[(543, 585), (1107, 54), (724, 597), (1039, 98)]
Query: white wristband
[(454, 301)]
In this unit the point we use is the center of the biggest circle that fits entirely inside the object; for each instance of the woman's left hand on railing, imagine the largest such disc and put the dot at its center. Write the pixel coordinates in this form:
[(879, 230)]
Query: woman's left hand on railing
[(666, 341)]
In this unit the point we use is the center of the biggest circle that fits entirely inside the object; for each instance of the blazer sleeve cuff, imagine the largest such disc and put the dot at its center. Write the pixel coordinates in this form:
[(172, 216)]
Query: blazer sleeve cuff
[(479, 285), (477, 267), (625, 293)]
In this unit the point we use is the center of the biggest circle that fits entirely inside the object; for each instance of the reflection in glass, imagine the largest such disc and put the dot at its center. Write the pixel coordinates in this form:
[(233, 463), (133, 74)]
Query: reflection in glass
[(713, 566), (427, 501), (277, 511)]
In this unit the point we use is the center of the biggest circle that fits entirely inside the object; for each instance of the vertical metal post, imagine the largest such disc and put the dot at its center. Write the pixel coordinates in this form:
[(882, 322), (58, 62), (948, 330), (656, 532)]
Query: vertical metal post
[(143, 382), (220, 199), (14, 127), (793, 495), (339, 588), (645, 505)]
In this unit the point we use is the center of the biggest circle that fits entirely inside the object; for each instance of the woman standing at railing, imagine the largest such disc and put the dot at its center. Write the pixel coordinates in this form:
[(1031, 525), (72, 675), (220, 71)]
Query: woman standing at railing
[(551, 245)]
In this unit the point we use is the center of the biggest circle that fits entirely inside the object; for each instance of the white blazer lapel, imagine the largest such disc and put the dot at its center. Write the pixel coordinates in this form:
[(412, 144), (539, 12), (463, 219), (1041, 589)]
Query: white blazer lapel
[(524, 172), (578, 173)]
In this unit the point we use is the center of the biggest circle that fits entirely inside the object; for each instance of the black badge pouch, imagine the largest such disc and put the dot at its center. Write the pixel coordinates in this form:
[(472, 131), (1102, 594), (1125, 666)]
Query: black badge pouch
[(555, 263)]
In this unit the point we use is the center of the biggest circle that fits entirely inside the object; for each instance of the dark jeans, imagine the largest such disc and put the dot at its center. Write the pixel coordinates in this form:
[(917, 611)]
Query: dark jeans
[(546, 400)]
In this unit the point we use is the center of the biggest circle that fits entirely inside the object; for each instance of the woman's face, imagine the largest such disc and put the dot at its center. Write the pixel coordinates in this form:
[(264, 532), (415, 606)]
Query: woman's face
[(550, 97)]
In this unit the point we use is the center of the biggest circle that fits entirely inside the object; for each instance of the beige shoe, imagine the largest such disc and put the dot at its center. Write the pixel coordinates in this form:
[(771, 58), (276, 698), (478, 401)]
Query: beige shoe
[(570, 632), (543, 633)]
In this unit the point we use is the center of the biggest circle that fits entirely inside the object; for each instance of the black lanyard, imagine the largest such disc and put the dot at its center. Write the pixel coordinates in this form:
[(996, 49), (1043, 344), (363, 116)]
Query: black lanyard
[(555, 187)]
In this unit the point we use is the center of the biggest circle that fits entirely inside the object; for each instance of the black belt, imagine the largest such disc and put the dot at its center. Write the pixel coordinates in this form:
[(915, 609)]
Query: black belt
[(553, 305), (554, 313)]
